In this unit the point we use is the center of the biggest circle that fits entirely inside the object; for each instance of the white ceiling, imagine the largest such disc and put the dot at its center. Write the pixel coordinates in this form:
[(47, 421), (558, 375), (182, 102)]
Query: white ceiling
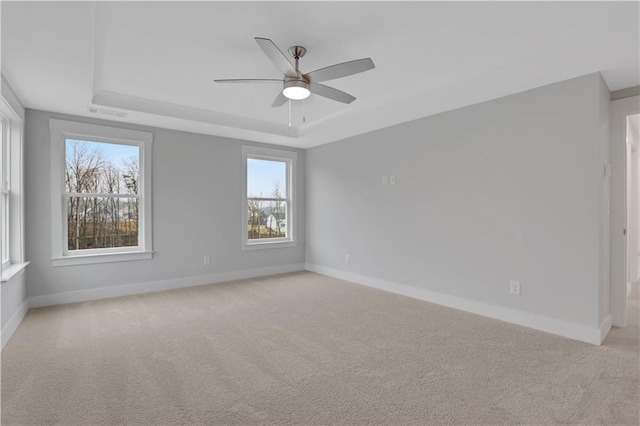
[(156, 61)]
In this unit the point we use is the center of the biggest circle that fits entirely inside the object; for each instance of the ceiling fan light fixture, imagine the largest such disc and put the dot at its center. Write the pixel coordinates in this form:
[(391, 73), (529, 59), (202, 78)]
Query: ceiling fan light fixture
[(296, 90), (297, 85)]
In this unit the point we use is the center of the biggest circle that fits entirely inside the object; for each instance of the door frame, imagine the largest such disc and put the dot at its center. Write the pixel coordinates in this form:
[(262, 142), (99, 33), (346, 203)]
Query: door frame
[(620, 109), (633, 213)]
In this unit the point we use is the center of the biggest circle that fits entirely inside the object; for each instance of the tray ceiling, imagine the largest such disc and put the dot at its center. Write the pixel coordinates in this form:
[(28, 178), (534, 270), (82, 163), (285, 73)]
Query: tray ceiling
[(156, 61)]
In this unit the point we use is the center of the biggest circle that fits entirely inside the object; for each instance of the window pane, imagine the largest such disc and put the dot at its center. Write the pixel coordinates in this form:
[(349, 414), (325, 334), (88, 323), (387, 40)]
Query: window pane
[(2, 148), (266, 178), (96, 167), (102, 222), (4, 217), (266, 219), (4, 194)]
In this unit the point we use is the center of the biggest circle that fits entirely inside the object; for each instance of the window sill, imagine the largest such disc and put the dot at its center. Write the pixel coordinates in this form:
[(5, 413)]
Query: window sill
[(269, 245), (87, 259), (13, 270)]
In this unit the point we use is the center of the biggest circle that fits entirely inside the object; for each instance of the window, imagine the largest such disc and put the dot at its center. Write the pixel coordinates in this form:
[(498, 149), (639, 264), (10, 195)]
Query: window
[(268, 211), (101, 186), (11, 178), (4, 192)]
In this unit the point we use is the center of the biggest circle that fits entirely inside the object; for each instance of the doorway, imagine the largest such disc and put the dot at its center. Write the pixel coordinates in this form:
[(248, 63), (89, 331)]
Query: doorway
[(633, 200), (624, 202)]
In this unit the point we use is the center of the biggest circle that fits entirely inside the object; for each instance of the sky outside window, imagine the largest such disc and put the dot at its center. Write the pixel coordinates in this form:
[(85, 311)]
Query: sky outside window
[(112, 152), (262, 176)]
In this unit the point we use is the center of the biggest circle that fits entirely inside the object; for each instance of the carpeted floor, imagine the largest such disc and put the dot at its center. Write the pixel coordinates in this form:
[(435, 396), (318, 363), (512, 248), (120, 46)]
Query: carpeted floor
[(302, 348)]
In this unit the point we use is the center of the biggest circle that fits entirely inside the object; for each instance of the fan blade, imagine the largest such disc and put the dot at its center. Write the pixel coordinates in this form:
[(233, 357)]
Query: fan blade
[(341, 70), (277, 57), (331, 93), (249, 80), (280, 100)]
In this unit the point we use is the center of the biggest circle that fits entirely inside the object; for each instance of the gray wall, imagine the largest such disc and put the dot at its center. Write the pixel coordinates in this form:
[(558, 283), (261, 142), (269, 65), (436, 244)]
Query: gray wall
[(604, 205), (504, 190), (14, 296), (196, 212)]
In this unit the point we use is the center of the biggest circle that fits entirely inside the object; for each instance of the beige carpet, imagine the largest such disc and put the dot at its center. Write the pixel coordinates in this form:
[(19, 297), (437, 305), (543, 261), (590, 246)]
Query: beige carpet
[(306, 349)]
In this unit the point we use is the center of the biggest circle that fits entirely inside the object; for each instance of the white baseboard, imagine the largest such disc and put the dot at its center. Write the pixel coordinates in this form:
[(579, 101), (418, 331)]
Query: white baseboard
[(571, 330), (154, 286), (593, 335), (14, 322), (605, 327)]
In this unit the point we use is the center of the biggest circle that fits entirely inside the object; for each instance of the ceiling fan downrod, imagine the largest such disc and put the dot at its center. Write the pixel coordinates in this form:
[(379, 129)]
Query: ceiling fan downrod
[(297, 52)]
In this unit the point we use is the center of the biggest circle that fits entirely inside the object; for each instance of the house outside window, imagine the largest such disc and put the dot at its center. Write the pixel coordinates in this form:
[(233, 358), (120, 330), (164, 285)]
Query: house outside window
[(268, 211), (101, 186)]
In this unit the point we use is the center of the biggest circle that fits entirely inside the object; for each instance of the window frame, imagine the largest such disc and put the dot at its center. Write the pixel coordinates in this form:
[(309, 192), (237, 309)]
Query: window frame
[(5, 191), (290, 158), (61, 130), (12, 176)]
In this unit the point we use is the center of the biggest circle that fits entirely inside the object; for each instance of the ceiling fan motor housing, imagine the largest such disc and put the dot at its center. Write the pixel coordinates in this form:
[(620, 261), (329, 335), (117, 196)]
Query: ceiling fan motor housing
[(296, 82)]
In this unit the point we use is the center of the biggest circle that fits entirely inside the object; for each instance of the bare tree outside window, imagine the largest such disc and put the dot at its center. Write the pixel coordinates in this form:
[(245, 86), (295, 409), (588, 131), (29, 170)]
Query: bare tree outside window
[(256, 218)]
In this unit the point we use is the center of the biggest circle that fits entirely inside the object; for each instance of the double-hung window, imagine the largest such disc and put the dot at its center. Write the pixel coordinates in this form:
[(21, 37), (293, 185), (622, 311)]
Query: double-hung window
[(4, 191), (11, 185), (101, 193), (268, 210)]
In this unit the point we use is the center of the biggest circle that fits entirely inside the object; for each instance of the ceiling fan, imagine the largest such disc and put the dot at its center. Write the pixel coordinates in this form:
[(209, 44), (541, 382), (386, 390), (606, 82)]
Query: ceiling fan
[(296, 85)]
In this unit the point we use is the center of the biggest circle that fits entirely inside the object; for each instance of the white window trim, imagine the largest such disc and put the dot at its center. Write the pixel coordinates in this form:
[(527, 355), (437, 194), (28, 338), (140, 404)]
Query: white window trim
[(5, 188), (291, 158), (14, 162), (62, 130)]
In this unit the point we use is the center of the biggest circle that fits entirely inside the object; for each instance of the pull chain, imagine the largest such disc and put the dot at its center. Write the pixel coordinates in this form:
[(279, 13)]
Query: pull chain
[(289, 113)]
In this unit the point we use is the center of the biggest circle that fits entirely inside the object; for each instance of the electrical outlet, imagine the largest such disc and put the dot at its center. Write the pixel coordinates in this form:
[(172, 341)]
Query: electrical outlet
[(392, 179), (347, 258), (384, 180), (515, 287), (207, 260)]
